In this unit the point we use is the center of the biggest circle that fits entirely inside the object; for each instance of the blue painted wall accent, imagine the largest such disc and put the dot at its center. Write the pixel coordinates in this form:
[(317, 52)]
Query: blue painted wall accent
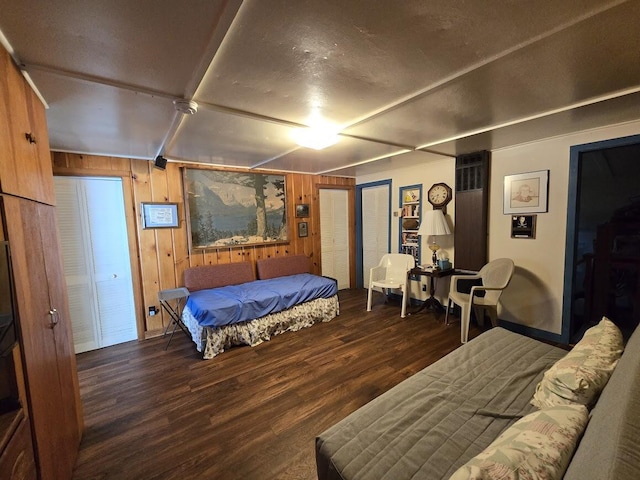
[(359, 244), (532, 332)]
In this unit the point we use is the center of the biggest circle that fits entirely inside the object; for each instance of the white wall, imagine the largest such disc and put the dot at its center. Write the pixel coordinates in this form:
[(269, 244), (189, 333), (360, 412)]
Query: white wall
[(411, 169), (534, 297)]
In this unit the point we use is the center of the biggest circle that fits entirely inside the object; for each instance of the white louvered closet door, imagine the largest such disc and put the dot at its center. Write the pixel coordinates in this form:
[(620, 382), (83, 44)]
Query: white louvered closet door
[(96, 261), (76, 259), (334, 234), (375, 228)]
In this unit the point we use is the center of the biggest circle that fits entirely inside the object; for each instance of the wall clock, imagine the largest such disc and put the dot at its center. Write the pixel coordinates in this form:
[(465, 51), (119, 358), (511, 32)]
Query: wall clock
[(439, 195)]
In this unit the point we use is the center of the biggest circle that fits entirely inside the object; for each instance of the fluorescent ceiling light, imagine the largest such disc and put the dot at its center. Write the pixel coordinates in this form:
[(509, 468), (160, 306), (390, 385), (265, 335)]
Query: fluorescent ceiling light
[(317, 138)]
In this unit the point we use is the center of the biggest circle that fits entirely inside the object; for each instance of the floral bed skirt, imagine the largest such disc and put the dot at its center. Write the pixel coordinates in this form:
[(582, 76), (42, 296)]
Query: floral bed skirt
[(214, 340)]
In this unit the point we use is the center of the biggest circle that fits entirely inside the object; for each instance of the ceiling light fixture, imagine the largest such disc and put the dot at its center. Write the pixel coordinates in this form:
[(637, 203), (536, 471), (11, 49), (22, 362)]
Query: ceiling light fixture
[(317, 138), (188, 107)]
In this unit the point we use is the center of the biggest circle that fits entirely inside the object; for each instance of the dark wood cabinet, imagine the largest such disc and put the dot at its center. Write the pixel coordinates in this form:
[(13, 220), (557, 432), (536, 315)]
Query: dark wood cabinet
[(472, 201), (612, 283), (16, 451), (17, 460), (51, 395)]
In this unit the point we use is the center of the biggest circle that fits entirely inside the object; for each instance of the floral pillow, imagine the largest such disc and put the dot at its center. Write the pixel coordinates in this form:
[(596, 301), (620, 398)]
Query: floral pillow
[(538, 446), (580, 376)]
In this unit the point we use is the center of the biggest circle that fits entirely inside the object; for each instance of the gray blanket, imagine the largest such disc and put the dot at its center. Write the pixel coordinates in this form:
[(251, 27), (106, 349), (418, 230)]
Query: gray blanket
[(432, 423)]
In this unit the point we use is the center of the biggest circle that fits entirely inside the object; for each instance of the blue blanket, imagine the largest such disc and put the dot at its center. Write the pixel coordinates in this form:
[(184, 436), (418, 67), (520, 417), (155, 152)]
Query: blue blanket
[(237, 303)]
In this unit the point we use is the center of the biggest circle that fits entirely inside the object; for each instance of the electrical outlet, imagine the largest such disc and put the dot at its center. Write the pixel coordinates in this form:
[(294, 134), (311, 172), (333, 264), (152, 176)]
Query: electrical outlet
[(153, 310)]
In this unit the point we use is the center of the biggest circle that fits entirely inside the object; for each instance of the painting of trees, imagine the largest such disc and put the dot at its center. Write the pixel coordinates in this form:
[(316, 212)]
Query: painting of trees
[(235, 208)]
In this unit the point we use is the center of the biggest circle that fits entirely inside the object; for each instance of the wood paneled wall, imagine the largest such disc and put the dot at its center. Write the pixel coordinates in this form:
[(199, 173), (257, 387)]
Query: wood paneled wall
[(160, 256)]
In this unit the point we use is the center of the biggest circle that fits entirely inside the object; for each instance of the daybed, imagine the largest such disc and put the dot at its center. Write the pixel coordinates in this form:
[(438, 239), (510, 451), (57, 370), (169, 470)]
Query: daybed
[(438, 420), (228, 306)]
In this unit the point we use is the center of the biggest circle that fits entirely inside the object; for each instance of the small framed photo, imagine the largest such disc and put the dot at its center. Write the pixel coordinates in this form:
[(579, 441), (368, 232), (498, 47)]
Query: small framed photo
[(523, 226), (303, 229), (526, 192), (159, 215), (302, 210)]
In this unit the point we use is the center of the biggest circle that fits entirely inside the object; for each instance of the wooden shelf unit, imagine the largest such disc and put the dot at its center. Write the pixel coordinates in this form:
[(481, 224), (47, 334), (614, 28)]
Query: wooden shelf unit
[(410, 217)]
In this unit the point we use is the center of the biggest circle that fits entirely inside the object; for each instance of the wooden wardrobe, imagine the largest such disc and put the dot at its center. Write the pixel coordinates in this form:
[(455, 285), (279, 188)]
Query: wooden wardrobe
[(45, 364), (472, 206)]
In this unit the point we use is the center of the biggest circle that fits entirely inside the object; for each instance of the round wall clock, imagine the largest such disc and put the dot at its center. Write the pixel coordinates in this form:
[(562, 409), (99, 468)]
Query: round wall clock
[(439, 195)]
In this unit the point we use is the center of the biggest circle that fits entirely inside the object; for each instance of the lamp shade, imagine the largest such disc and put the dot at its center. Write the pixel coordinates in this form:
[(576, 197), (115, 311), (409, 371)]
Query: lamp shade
[(433, 223)]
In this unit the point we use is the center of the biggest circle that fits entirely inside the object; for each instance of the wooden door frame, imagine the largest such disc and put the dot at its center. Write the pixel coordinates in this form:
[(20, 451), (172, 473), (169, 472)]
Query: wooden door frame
[(351, 208), (132, 236)]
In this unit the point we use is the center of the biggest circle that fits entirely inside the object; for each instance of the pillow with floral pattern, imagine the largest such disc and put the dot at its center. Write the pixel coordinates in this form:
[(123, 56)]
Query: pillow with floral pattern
[(580, 376), (538, 446)]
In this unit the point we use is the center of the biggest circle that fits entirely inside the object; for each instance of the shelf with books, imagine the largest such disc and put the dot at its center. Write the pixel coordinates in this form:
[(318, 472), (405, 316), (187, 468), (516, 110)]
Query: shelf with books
[(410, 200)]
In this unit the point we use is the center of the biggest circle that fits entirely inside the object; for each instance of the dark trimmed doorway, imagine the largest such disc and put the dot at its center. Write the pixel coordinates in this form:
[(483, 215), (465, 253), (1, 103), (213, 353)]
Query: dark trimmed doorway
[(602, 274)]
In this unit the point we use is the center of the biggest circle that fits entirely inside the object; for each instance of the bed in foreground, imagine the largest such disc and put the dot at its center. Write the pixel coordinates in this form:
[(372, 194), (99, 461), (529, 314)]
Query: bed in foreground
[(470, 415), (227, 306)]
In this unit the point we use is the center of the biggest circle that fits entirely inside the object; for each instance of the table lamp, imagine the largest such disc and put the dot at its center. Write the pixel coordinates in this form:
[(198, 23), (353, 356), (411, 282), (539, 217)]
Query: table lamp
[(433, 224)]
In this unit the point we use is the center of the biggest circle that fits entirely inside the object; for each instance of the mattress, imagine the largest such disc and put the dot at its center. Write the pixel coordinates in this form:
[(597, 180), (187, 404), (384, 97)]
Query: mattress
[(435, 421), (212, 341), (232, 304)]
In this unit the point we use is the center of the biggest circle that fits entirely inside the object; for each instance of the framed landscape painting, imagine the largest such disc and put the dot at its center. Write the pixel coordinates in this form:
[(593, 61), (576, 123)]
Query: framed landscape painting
[(228, 209), (302, 210)]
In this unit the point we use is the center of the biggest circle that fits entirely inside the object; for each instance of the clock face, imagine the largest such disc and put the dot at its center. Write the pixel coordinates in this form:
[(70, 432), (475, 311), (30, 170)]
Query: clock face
[(439, 195)]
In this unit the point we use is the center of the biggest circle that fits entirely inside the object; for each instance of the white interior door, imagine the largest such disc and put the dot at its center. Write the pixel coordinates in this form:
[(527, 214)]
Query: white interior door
[(334, 234), (97, 266), (77, 263), (375, 227)]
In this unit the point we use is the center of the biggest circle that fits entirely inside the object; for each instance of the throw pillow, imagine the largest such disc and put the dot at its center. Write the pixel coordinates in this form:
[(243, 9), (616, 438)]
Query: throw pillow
[(580, 376), (538, 446)]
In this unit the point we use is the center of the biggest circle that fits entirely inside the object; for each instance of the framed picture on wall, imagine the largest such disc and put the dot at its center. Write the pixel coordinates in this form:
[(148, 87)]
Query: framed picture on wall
[(234, 209), (526, 192), (303, 229), (159, 215), (302, 210), (523, 226)]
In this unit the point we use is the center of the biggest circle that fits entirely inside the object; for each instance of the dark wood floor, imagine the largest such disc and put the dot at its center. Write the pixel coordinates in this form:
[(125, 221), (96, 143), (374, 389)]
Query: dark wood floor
[(249, 413)]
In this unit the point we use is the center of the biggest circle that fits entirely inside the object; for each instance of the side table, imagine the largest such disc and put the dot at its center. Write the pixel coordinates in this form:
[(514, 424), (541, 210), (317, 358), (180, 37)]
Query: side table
[(177, 295), (431, 303)]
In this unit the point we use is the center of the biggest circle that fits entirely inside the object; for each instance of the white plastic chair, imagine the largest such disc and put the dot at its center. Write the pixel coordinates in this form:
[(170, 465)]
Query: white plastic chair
[(391, 272), (495, 277)]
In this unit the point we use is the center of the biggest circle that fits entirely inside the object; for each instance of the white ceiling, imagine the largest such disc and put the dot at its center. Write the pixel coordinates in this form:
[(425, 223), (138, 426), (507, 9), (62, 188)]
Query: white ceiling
[(396, 76)]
